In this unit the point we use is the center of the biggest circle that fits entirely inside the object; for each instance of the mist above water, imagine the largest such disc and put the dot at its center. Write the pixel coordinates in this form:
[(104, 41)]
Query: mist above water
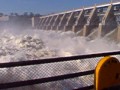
[(36, 44)]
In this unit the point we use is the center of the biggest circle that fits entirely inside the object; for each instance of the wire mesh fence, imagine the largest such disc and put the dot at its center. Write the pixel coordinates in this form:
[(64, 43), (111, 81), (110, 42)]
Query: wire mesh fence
[(65, 73)]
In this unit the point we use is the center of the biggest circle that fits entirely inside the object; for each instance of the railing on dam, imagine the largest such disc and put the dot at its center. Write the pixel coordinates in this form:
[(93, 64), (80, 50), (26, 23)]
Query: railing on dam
[(62, 73)]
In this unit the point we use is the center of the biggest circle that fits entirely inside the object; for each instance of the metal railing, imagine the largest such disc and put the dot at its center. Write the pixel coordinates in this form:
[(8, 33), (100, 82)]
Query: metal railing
[(75, 66)]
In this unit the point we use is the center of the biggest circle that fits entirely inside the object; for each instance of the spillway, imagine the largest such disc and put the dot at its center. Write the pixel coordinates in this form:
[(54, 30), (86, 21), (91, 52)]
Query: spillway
[(102, 18)]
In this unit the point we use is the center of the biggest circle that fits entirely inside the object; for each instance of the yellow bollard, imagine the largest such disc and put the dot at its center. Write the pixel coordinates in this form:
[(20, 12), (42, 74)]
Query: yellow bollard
[(107, 73)]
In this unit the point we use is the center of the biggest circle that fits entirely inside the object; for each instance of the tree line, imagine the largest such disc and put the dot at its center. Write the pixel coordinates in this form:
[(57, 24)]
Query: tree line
[(26, 14)]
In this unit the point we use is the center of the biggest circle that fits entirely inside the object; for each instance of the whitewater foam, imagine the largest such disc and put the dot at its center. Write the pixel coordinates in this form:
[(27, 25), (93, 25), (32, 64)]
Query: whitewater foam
[(37, 44)]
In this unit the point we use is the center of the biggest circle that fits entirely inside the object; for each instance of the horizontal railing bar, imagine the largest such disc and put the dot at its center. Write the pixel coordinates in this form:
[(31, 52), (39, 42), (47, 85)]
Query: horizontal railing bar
[(44, 80), (53, 60), (85, 88)]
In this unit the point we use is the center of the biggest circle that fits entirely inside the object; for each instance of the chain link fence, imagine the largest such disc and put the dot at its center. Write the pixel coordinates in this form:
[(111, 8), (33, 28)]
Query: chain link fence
[(65, 73)]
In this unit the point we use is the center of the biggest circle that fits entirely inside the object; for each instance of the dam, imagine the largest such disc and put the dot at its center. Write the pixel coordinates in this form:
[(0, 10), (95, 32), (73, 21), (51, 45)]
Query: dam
[(95, 21)]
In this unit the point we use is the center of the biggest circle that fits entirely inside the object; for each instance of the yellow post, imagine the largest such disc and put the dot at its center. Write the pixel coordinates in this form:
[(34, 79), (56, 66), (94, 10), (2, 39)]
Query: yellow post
[(107, 73)]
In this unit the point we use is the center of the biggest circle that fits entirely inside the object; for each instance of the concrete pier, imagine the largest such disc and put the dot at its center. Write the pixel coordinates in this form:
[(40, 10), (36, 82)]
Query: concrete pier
[(108, 22), (92, 22), (62, 21), (80, 21)]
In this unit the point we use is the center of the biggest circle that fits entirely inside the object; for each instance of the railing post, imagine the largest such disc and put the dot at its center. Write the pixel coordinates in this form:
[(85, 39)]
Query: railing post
[(107, 73)]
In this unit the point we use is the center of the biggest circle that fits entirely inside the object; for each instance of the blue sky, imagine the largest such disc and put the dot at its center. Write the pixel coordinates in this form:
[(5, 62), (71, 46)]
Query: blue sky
[(44, 6)]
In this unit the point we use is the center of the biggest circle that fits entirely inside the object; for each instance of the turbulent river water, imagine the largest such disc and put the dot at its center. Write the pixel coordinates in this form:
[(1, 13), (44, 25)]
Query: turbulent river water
[(31, 44)]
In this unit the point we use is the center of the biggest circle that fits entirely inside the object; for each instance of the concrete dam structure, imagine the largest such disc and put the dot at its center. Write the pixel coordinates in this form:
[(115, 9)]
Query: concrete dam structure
[(96, 21)]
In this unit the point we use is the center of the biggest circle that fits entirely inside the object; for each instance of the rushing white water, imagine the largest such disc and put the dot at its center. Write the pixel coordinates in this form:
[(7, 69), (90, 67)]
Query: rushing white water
[(37, 44)]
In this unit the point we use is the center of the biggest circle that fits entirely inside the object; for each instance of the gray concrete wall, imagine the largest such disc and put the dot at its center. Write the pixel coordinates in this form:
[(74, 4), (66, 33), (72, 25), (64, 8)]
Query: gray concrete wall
[(80, 21), (63, 21)]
